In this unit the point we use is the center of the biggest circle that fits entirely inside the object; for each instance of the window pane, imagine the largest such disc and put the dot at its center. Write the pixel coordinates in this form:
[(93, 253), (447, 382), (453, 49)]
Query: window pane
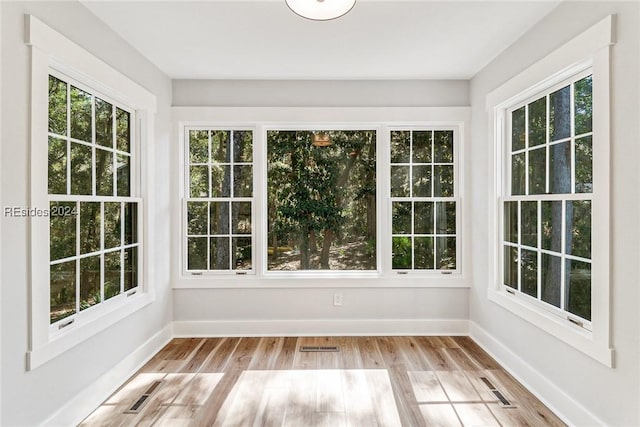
[(199, 146), (423, 255), (112, 272), (242, 146), (584, 165), (578, 299), (517, 129), (123, 167), (63, 290), (130, 223), (242, 181), (443, 146), (560, 114), (104, 172), (399, 181), (517, 174), (199, 181), (551, 273), (443, 181), (423, 218), (552, 225), (220, 146), (445, 253), (241, 253), (57, 166), (89, 282), (511, 267), (446, 217), (321, 200), (57, 106), (422, 181), (220, 253), (220, 181), (104, 123), (511, 222), (538, 122), (81, 115), (583, 105), (529, 221), (241, 217), (130, 268), (401, 253), (401, 217), (578, 228), (422, 146), (123, 130), (400, 145), (537, 171), (62, 230), (560, 168), (112, 215), (197, 220), (219, 217), (89, 227), (197, 253), (81, 169), (529, 272)]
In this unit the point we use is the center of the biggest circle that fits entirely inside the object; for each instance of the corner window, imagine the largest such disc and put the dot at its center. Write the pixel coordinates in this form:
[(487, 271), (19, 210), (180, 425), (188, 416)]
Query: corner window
[(547, 214), (93, 214)]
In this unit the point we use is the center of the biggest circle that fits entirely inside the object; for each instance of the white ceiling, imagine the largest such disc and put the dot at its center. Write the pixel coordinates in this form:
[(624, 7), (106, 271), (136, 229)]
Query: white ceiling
[(380, 39)]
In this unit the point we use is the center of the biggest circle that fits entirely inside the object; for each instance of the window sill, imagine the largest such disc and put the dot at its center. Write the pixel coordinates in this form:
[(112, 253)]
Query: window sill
[(71, 338), (578, 338), (304, 280)]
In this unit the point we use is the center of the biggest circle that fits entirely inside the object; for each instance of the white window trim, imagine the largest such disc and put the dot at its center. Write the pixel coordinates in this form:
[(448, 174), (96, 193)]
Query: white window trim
[(379, 119), (52, 51), (589, 49)]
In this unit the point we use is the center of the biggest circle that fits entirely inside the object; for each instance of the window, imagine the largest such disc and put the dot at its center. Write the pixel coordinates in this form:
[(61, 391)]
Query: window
[(90, 142), (219, 235), (423, 202), (551, 187), (93, 221), (321, 200), (547, 215), (267, 203)]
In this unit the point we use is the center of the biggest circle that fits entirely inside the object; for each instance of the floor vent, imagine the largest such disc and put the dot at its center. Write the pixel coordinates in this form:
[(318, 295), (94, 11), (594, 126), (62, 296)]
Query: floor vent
[(142, 400), (316, 348), (503, 401)]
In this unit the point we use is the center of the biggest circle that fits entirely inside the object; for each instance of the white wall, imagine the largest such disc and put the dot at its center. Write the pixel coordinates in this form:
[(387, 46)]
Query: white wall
[(321, 93), (29, 398), (310, 310), (610, 395)]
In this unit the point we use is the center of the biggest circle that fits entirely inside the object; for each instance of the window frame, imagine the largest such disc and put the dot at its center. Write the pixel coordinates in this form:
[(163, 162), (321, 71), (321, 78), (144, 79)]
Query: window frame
[(284, 118), (588, 51), (53, 54)]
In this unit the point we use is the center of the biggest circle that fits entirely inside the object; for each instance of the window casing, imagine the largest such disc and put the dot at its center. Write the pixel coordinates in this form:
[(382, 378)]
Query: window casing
[(91, 190), (557, 193), (450, 224)]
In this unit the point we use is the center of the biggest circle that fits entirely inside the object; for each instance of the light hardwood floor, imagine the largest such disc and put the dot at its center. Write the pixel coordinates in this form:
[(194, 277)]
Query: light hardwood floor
[(370, 381)]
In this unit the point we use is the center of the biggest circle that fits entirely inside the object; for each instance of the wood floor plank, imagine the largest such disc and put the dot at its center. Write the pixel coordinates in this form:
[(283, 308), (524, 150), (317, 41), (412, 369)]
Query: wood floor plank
[(461, 360), (475, 414), (511, 417), (359, 407), (369, 353), (306, 359), (285, 353), (426, 387), (201, 355), (476, 353), (382, 396), (413, 355), (302, 397), (272, 407), (264, 356), (221, 355), (330, 396), (457, 386), (440, 415), (349, 354), (432, 348)]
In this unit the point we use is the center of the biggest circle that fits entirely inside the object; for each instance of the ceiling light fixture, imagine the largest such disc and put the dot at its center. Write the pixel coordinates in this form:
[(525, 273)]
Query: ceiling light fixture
[(320, 10)]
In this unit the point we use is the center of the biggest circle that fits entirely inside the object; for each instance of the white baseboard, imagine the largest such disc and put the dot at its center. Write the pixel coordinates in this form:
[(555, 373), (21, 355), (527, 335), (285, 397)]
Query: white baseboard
[(78, 408), (562, 404), (319, 327)]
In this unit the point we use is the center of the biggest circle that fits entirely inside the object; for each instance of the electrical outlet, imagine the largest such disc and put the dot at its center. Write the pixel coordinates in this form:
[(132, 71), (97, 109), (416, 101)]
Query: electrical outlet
[(337, 300)]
